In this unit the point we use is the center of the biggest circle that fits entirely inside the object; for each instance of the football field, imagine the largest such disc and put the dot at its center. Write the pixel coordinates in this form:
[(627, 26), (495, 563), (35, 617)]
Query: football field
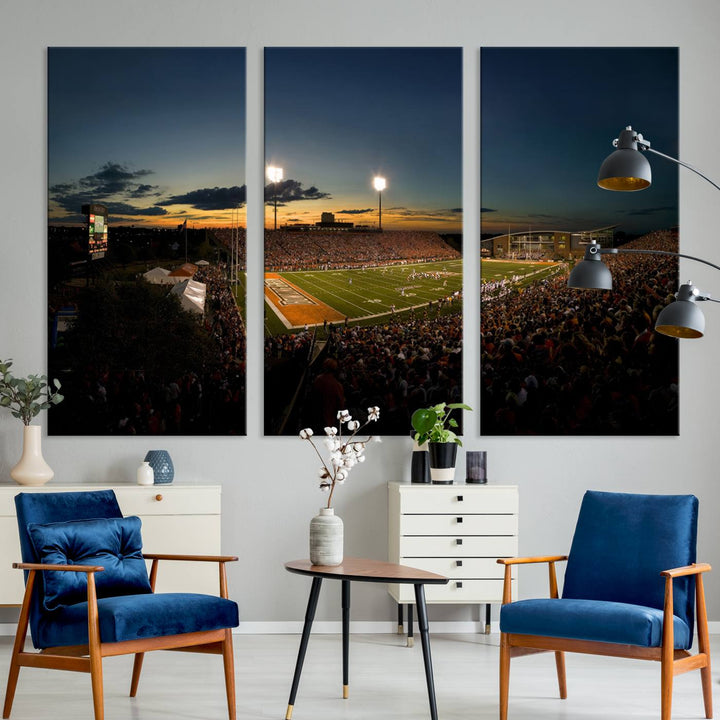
[(371, 295)]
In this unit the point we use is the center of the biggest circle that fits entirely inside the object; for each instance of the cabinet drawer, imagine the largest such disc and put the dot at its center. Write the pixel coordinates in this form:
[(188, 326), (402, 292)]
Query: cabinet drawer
[(458, 499), (472, 591), (469, 568), (451, 546), (458, 525), (159, 500)]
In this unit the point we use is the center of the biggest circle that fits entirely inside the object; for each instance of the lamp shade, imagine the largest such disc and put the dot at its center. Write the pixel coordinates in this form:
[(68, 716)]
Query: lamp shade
[(590, 274), (626, 169), (681, 319)]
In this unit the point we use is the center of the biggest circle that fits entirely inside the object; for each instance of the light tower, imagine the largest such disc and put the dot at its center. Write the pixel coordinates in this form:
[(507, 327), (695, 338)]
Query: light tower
[(275, 175), (379, 183)]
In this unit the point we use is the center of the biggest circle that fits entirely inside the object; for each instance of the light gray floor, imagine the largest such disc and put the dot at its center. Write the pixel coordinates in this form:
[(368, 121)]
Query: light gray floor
[(387, 682)]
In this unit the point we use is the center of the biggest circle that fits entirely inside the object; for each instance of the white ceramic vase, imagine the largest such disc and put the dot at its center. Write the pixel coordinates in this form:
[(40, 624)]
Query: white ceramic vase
[(326, 538), (145, 474), (32, 468)]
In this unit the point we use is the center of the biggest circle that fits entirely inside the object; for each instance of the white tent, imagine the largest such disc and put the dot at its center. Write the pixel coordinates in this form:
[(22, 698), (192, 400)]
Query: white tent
[(160, 276), (192, 295)]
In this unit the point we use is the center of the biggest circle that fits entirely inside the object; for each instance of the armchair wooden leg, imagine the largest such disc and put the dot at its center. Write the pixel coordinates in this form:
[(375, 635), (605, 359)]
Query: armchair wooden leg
[(704, 645), (137, 667), (19, 645), (229, 665), (504, 675), (562, 682), (96, 672), (96, 677)]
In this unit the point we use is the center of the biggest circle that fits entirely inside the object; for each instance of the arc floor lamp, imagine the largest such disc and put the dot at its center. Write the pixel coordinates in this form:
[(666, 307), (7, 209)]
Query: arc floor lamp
[(628, 170)]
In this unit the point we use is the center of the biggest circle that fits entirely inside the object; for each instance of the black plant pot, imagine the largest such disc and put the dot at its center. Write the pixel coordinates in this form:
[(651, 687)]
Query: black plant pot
[(442, 462)]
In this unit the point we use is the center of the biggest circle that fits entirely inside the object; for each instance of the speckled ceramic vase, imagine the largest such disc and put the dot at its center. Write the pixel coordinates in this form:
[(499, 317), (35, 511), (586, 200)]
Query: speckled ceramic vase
[(326, 538)]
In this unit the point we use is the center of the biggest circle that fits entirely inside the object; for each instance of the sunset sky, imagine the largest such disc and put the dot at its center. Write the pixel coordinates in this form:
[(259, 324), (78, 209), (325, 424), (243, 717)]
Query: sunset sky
[(336, 117), (155, 134), (548, 117)]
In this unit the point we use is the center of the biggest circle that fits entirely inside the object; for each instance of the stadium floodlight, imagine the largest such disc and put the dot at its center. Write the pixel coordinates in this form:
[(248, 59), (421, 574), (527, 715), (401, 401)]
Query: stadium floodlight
[(274, 175), (681, 319), (379, 183), (628, 170)]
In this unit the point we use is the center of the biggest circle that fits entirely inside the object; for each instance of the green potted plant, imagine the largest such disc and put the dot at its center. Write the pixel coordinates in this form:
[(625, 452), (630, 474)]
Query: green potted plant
[(434, 426), (26, 398)]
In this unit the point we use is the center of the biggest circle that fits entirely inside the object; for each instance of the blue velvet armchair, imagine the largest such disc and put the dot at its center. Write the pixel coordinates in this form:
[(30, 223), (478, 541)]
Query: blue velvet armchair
[(630, 582), (88, 594)]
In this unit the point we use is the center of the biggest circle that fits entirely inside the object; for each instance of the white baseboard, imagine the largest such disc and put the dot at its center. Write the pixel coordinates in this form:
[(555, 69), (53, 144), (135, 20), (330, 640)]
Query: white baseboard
[(294, 627)]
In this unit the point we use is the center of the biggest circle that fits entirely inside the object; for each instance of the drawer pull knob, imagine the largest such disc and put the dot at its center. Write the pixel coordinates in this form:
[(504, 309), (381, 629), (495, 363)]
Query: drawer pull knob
[(458, 541), (458, 585), (158, 497), (459, 519), (460, 498), (458, 563)]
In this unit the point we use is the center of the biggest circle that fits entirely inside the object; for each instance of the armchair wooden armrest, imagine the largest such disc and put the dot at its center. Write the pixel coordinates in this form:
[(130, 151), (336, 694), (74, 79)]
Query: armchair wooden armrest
[(528, 560), (694, 569), (509, 562), (221, 559), (194, 558), (68, 568)]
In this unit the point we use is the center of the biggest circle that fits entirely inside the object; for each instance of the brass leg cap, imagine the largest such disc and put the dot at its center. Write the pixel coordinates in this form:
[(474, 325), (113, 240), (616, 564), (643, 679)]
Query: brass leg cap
[(401, 630), (411, 642), (487, 629), (288, 714), (345, 692)]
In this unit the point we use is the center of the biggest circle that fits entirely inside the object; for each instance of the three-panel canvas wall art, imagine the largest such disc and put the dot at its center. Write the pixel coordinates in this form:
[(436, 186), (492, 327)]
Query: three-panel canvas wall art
[(363, 239)]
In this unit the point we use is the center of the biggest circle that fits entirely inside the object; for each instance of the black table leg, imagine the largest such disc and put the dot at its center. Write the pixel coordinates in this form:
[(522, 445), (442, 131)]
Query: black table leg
[(411, 636), (425, 640), (487, 618), (400, 629), (346, 635), (309, 615)]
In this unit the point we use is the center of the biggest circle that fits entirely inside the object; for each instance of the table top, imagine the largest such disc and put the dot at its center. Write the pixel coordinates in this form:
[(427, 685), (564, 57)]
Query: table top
[(367, 570)]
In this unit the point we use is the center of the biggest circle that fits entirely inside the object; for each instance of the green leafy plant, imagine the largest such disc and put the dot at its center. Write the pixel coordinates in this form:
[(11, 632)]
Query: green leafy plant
[(26, 397), (434, 424)]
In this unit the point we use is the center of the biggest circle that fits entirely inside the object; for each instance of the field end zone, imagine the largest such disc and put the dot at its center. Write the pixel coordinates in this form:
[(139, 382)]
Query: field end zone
[(294, 306)]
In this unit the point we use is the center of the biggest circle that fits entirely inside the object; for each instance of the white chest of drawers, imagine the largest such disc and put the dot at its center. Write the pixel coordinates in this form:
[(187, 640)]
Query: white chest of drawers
[(176, 518), (456, 530)]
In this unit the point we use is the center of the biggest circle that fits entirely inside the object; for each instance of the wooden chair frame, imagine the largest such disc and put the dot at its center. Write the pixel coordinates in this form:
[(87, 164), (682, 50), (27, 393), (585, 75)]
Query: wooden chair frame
[(672, 662), (88, 658)]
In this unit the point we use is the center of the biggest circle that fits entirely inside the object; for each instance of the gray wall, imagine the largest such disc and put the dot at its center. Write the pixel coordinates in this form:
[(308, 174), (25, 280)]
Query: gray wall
[(269, 484)]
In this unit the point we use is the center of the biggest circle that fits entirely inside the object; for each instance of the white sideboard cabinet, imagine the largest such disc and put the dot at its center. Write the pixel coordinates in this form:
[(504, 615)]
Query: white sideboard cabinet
[(176, 518), (457, 530)]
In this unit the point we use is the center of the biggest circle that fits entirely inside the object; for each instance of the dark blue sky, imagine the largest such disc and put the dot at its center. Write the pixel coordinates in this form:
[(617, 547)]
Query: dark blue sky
[(157, 134), (335, 117), (548, 118)]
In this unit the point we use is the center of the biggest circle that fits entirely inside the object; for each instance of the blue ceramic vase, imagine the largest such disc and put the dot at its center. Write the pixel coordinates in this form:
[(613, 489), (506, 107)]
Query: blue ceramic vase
[(162, 466)]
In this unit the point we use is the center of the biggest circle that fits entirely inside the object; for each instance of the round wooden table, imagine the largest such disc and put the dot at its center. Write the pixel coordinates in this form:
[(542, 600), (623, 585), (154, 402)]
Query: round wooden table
[(363, 570)]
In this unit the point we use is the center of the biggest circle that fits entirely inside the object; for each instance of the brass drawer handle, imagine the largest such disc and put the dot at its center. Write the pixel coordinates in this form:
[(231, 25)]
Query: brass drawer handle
[(158, 497)]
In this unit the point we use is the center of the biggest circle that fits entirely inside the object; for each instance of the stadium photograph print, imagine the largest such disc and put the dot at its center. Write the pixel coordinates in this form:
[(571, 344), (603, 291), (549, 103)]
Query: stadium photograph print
[(557, 360), (146, 240), (363, 234)]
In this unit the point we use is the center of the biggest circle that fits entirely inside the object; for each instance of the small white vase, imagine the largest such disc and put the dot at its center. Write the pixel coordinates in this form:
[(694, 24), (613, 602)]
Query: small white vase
[(326, 538), (145, 474), (32, 468)]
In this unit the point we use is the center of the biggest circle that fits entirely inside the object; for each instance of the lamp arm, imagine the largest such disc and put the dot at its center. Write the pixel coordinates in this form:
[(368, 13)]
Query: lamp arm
[(616, 251), (647, 148)]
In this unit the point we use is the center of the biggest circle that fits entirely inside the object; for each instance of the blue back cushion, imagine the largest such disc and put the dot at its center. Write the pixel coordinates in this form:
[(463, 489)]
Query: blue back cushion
[(113, 543), (623, 541)]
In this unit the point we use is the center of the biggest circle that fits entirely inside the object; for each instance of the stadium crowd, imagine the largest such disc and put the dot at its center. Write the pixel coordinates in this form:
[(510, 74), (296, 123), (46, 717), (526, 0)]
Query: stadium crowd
[(559, 361), (336, 249), (399, 366)]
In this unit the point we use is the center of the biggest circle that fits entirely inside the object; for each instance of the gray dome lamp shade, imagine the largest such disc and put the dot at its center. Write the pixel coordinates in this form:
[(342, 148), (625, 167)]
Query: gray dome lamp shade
[(591, 273), (626, 169), (682, 318)]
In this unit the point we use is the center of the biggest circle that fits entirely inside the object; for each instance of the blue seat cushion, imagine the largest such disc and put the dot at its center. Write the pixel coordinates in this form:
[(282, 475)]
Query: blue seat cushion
[(113, 543), (598, 620), (133, 617)]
